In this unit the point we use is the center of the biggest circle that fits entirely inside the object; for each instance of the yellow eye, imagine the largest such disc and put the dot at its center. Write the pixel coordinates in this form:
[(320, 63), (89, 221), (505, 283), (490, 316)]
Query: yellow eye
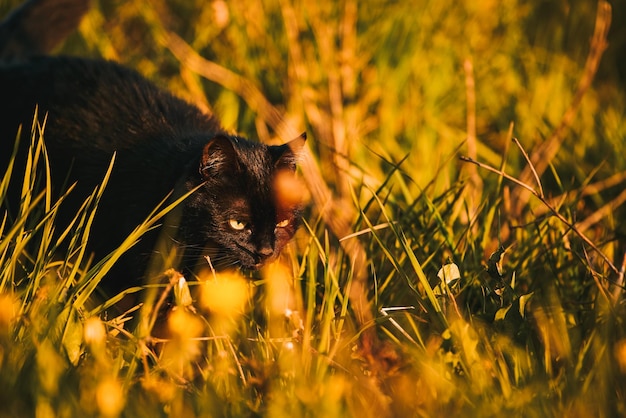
[(282, 223), (236, 225)]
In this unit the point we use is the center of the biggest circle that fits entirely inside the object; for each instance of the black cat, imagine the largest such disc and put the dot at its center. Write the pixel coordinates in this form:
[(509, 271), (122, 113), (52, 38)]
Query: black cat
[(96, 108)]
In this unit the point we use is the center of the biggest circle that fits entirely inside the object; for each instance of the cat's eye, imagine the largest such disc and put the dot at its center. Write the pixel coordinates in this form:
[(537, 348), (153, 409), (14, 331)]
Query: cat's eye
[(282, 223), (236, 225)]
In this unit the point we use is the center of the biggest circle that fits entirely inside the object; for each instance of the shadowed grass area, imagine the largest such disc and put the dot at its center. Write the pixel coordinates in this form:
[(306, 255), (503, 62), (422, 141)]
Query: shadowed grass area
[(487, 285)]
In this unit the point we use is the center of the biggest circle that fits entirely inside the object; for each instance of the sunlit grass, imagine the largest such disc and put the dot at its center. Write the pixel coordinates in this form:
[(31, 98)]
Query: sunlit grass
[(495, 340), (530, 325)]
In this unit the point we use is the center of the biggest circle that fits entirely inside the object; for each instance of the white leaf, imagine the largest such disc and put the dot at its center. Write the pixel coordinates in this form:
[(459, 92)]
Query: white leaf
[(448, 273)]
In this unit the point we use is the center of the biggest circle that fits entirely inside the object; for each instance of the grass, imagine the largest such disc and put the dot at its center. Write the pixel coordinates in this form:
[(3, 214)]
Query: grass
[(420, 284)]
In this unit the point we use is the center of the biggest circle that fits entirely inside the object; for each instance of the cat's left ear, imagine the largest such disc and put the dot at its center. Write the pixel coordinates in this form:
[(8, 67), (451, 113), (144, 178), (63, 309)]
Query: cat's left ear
[(218, 156), (286, 155)]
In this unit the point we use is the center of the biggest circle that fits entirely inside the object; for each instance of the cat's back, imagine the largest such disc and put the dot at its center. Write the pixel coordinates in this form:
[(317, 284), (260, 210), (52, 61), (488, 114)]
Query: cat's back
[(92, 107), (83, 96)]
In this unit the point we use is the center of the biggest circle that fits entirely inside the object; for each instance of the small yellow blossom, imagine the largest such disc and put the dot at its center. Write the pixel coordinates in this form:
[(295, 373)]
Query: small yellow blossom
[(94, 331), (9, 309), (110, 397), (620, 354), (183, 325), (226, 294), (289, 189)]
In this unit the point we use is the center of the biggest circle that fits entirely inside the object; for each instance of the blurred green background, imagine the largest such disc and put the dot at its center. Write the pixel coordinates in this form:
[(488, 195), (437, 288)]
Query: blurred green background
[(391, 93), (388, 77)]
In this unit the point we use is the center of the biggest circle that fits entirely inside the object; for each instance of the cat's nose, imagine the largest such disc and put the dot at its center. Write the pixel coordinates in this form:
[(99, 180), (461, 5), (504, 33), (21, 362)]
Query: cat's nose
[(265, 252)]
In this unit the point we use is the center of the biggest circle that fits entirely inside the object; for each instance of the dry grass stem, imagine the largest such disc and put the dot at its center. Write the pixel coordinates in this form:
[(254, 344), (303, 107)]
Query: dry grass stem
[(475, 187), (545, 153), (586, 190), (531, 166), (545, 202)]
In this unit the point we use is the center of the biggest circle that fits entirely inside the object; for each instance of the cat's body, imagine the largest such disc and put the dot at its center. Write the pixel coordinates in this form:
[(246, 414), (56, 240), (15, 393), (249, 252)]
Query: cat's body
[(162, 144)]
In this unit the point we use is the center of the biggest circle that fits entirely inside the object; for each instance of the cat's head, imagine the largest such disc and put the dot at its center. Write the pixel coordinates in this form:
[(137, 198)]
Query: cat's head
[(248, 206)]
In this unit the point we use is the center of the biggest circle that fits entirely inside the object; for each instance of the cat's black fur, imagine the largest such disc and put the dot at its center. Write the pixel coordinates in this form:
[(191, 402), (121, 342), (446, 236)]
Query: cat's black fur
[(96, 108)]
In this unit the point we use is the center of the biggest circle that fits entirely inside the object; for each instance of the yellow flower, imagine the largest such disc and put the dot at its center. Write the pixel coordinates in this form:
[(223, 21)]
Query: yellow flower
[(225, 294), (9, 309), (183, 325), (289, 189), (110, 397), (620, 354), (94, 332)]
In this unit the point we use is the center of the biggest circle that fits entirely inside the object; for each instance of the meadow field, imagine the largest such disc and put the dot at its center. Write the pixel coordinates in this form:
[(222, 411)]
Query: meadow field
[(463, 247)]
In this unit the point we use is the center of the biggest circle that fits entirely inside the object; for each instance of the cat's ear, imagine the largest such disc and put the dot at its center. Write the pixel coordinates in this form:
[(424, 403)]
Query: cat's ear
[(286, 155), (218, 156)]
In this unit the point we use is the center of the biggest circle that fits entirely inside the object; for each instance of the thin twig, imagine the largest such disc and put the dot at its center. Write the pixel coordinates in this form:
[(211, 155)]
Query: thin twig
[(605, 210), (396, 324), (586, 190), (545, 202), (172, 276), (366, 230), (530, 165), (545, 153), (228, 79), (475, 185), (596, 277), (619, 282)]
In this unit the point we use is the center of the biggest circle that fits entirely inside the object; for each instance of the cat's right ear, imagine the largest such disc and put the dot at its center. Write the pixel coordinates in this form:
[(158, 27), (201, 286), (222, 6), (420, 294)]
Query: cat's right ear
[(287, 155), (218, 156), (297, 144)]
